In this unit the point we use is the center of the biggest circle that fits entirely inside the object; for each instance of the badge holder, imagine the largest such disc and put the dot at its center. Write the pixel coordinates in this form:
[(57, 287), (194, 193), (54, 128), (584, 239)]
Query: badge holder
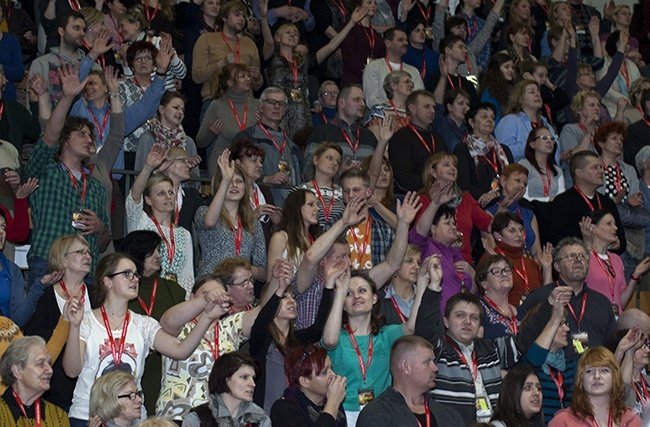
[(580, 342), (76, 216), (365, 396), (483, 407)]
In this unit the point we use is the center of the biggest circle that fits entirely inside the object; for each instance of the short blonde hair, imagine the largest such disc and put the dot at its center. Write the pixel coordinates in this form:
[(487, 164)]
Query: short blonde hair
[(60, 248), (92, 16), (103, 394), (579, 99), (156, 422)]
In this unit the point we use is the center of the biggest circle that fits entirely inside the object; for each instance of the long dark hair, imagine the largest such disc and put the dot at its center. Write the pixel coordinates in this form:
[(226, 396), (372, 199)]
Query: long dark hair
[(494, 82), (529, 152), (377, 319), (292, 224), (509, 407)]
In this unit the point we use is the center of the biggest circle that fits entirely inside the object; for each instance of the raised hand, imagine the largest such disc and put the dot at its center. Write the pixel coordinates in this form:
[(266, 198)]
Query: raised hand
[(69, 77), (73, 311), (164, 56), (156, 156), (594, 25), (359, 13), (643, 267), (335, 271), (279, 11), (351, 214), (27, 188), (52, 278), (102, 44), (38, 84), (434, 269), (13, 179), (343, 282), (546, 257), (441, 193), (560, 295), (226, 166), (408, 209), (111, 74), (623, 40)]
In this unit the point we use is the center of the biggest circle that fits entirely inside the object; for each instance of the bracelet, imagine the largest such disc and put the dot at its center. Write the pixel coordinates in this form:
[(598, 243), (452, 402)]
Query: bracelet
[(158, 73), (635, 278)]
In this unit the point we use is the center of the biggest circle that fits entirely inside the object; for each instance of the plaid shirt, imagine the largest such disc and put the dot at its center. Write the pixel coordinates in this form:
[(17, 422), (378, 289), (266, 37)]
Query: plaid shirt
[(383, 236), (308, 302), (474, 26), (56, 199)]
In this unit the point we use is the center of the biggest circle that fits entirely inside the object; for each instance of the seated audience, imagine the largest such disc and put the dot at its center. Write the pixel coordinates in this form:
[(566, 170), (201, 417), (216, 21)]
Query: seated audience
[(115, 400), (520, 401)]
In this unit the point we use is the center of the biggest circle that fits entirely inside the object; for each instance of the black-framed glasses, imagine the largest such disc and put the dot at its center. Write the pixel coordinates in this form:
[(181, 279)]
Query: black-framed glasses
[(496, 271), (131, 396), (80, 252), (130, 275), (274, 102), (574, 257), (250, 280)]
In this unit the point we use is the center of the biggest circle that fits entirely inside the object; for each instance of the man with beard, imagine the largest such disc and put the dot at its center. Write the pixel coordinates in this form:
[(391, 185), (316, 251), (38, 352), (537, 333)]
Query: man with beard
[(72, 29), (407, 402), (590, 316)]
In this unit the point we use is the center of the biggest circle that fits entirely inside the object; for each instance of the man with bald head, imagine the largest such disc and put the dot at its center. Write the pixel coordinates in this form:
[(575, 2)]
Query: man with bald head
[(405, 404), (633, 317)]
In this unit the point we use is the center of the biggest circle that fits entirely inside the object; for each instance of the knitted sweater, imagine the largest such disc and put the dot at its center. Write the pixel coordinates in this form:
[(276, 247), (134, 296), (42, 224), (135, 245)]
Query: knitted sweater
[(52, 415)]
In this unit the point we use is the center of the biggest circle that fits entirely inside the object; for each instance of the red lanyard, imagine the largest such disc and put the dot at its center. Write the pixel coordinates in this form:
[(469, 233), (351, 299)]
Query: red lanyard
[(327, 211), (582, 310), (423, 72), (641, 395), (120, 39), (101, 60), (82, 197), (370, 35), (494, 163), (547, 108), (341, 7), (558, 379), (324, 117), (512, 321), (625, 72), (609, 272), (294, 67), (402, 120), (237, 46), (115, 350), (354, 146), (521, 273), (150, 16), (586, 199), (100, 129), (451, 83), (37, 408), (364, 368), (361, 248), (137, 83), (67, 294), (390, 67), (433, 141), (546, 182), (74, 4), (618, 180), (584, 130), (256, 199), (237, 232), (610, 420), (427, 411), (474, 368), (269, 136), (171, 243), (149, 309), (399, 312), (426, 15), (2, 107), (214, 346), (240, 123)]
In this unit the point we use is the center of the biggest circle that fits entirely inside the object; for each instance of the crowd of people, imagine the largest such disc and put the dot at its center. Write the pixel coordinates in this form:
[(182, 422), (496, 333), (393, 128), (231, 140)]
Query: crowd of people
[(324, 213)]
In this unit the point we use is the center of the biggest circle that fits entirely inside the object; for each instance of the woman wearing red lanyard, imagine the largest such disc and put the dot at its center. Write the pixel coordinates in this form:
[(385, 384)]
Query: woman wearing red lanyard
[(598, 394), (628, 72), (398, 296), (155, 211), (227, 225), (112, 337), (520, 400), (298, 229), (231, 111), (585, 106), (359, 342), (326, 163), (621, 182), (159, 15), (288, 70), (25, 368), (631, 345), (481, 159), (508, 233), (362, 45), (519, 36), (398, 85), (545, 178), (155, 295), (606, 270)]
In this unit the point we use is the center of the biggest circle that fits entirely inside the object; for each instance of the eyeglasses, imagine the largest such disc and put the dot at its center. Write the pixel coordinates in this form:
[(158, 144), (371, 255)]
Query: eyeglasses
[(547, 138), (140, 59), (250, 280), (274, 102), (131, 396), (81, 252), (496, 271), (130, 275), (330, 92), (574, 257)]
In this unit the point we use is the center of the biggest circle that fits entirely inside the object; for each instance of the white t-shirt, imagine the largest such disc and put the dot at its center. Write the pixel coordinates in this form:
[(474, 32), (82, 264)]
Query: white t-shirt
[(98, 358)]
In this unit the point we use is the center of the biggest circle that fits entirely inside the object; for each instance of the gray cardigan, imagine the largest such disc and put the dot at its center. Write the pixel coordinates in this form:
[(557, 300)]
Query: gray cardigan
[(390, 409)]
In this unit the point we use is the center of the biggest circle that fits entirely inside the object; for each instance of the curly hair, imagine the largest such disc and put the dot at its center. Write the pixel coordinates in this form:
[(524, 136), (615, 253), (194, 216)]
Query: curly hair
[(495, 83), (606, 129), (137, 47)]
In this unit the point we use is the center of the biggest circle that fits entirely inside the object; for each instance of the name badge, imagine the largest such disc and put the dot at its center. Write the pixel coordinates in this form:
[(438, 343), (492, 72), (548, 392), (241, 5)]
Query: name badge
[(365, 396)]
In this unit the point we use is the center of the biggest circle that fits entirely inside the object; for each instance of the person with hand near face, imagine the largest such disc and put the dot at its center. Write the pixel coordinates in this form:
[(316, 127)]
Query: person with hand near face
[(115, 400), (630, 347), (26, 369), (327, 96), (598, 394), (231, 386), (579, 136), (554, 97), (151, 205), (520, 401), (469, 368), (315, 392)]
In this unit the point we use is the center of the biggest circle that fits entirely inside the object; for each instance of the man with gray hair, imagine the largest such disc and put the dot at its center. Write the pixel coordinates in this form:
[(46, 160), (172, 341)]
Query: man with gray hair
[(282, 164), (589, 313), (407, 403)]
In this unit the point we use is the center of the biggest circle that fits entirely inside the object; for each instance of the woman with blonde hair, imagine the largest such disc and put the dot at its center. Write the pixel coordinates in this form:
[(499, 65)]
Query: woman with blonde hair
[(115, 400), (398, 296), (227, 226), (598, 394)]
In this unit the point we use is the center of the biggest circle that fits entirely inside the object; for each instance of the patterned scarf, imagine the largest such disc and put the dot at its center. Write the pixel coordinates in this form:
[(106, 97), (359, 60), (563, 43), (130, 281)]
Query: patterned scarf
[(169, 137), (309, 408), (478, 148)]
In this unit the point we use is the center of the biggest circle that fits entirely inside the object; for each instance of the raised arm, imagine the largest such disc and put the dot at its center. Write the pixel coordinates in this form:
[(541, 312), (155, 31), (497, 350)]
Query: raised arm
[(268, 48), (406, 212), (325, 51), (430, 272), (156, 156), (227, 168), (73, 312), (440, 194), (335, 319)]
